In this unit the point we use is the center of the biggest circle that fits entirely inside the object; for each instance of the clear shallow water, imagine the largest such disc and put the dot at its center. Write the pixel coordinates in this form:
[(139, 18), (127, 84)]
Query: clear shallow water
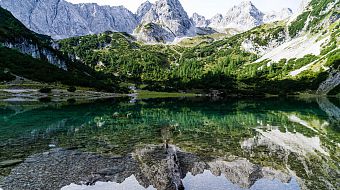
[(168, 143)]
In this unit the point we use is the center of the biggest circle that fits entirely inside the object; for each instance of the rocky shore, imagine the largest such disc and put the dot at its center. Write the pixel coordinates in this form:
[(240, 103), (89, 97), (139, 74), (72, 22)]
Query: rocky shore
[(161, 167)]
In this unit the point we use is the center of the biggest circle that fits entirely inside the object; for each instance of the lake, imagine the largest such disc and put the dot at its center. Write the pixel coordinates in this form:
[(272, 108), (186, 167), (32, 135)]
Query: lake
[(179, 143)]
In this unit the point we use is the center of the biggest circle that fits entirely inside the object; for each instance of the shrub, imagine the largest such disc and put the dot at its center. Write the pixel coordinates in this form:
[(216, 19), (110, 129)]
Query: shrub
[(45, 99), (45, 90), (71, 89), (6, 76), (71, 101), (296, 26)]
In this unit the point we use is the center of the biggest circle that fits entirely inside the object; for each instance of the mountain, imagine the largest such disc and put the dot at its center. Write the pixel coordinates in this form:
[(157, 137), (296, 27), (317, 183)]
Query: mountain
[(61, 19), (14, 35), (273, 16), (199, 20), (215, 22), (28, 55), (299, 54), (246, 16), (288, 57), (243, 17), (167, 17), (142, 10)]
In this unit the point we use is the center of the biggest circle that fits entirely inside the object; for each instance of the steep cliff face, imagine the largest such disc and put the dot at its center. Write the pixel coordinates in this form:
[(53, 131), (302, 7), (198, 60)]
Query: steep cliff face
[(273, 16), (37, 52), (142, 10), (61, 19), (153, 33), (332, 82), (160, 166), (246, 16), (199, 20), (36, 57), (15, 35), (171, 17)]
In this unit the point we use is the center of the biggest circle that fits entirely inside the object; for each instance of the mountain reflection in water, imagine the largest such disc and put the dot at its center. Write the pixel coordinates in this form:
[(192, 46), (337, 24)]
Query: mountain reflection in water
[(191, 143), (203, 181)]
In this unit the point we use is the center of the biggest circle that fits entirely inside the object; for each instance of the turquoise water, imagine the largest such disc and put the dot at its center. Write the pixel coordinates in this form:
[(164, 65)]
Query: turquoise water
[(243, 144)]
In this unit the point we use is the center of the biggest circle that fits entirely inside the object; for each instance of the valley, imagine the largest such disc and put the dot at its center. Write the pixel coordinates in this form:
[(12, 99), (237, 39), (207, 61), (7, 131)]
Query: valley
[(208, 64), (288, 57), (99, 97)]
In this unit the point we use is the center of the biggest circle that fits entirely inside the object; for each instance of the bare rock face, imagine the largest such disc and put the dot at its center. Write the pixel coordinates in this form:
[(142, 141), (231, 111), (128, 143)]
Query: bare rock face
[(143, 9), (61, 19), (169, 15), (243, 17), (285, 13), (28, 42), (199, 20), (160, 165), (153, 33), (37, 52), (332, 82), (215, 22), (246, 16)]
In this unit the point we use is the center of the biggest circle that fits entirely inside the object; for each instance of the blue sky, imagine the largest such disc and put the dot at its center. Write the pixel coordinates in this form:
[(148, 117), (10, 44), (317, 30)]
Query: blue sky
[(207, 8)]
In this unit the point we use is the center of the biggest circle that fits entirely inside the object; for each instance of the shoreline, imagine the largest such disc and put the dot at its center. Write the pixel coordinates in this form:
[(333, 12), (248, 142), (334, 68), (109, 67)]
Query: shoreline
[(60, 95)]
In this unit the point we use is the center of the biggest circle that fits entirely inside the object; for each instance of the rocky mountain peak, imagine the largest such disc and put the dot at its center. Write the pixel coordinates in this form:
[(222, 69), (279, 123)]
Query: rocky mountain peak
[(242, 17), (277, 15), (245, 16), (199, 20), (215, 22), (169, 15), (143, 9), (170, 9), (245, 8), (286, 12), (61, 19), (246, 4)]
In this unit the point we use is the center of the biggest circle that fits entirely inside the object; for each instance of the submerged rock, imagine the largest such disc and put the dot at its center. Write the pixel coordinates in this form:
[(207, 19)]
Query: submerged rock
[(160, 166), (157, 166)]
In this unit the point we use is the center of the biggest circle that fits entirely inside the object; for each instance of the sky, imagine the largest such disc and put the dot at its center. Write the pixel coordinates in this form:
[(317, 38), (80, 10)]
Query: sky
[(207, 8)]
